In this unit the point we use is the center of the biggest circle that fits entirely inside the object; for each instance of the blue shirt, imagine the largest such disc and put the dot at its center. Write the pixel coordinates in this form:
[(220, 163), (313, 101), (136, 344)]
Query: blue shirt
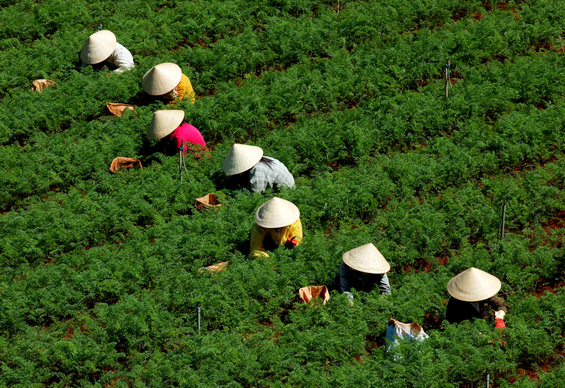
[(275, 174)]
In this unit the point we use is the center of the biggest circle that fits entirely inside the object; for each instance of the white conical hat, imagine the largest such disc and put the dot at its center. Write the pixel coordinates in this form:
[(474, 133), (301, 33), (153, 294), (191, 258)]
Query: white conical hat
[(367, 259), (164, 122), (98, 47), (240, 158), (162, 78), (473, 285), (276, 213)]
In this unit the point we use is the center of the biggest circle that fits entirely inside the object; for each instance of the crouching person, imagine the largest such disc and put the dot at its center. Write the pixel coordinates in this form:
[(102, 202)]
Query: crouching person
[(473, 295), (277, 222), (254, 170), (363, 269), (101, 50), (177, 132)]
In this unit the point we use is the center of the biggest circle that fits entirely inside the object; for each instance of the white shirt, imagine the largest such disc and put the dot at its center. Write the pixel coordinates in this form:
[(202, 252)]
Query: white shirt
[(121, 58)]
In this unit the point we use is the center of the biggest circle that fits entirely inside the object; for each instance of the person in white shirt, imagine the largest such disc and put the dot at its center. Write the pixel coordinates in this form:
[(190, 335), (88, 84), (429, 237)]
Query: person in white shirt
[(102, 49)]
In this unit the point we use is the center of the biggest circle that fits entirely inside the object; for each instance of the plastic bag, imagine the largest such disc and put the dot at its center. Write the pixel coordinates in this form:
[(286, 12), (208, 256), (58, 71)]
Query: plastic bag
[(40, 84), (121, 161), (118, 109), (207, 202), (399, 330), (310, 292)]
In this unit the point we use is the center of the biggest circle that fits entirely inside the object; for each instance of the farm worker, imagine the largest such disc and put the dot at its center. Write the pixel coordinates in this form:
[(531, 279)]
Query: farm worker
[(167, 80), (277, 222), (260, 171), (180, 132), (473, 293), (101, 49), (362, 268)]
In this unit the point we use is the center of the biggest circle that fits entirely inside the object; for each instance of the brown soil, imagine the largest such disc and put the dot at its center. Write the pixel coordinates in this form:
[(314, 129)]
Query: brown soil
[(549, 286)]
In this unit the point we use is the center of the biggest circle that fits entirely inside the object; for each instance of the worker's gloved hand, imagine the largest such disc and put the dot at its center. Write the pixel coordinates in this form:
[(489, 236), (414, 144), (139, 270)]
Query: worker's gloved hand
[(499, 323), (291, 242), (499, 314)]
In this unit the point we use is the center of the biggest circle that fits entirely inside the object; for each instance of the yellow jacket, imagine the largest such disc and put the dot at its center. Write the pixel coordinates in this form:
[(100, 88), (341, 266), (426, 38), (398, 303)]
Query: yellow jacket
[(183, 90), (279, 236)]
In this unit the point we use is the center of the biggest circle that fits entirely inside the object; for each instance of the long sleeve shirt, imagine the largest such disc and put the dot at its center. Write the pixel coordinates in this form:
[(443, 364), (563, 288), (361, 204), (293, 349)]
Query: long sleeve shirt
[(274, 174), (458, 310), (186, 133), (348, 278), (183, 90), (277, 236)]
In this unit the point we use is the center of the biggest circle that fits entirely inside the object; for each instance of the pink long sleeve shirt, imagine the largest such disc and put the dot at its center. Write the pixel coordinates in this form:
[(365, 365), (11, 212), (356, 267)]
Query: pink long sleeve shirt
[(186, 133)]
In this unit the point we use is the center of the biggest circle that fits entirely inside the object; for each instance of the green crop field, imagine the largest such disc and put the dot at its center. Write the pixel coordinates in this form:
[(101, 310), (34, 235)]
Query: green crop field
[(99, 280)]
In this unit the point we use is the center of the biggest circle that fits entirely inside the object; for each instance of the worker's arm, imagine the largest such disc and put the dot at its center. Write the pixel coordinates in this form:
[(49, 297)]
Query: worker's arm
[(384, 285), (294, 234), (256, 246)]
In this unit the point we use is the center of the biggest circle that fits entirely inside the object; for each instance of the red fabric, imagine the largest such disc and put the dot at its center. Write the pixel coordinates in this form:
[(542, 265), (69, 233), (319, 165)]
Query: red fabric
[(291, 242), (499, 323), (186, 133)]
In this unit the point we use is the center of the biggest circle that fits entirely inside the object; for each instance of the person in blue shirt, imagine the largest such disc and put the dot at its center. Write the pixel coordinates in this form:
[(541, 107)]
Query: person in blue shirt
[(255, 170), (362, 269)]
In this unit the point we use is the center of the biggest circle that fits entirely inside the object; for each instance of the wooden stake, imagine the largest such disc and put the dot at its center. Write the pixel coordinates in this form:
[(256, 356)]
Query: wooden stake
[(198, 308), (447, 78), (502, 225), (180, 163)]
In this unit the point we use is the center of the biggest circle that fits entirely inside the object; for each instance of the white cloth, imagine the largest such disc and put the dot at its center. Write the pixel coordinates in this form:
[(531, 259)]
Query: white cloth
[(121, 58)]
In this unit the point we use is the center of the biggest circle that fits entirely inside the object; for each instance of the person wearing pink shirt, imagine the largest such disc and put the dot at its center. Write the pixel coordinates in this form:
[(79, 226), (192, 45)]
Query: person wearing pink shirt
[(181, 134)]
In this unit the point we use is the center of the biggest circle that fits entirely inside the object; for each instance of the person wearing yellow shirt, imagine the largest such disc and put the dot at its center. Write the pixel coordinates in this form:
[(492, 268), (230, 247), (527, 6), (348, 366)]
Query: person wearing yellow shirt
[(277, 222), (168, 81)]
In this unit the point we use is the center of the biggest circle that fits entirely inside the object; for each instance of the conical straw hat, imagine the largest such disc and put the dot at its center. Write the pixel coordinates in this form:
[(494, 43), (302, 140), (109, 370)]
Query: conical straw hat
[(367, 259), (240, 158), (98, 47), (276, 213), (473, 285), (162, 78), (164, 122)]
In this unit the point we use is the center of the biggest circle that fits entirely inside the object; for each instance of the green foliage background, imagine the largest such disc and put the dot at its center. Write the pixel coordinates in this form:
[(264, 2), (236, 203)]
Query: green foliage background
[(99, 273)]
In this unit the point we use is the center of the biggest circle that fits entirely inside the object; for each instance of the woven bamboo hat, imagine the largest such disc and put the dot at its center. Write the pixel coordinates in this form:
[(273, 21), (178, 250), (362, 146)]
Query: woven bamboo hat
[(367, 259), (276, 213), (241, 158), (164, 122), (473, 285), (161, 79), (98, 47)]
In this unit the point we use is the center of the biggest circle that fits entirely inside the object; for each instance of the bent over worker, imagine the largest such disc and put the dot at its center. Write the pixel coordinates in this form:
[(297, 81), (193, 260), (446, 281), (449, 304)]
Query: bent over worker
[(473, 295), (181, 133), (102, 50), (256, 170), (362, 268), (167, 80), (277, 222)]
